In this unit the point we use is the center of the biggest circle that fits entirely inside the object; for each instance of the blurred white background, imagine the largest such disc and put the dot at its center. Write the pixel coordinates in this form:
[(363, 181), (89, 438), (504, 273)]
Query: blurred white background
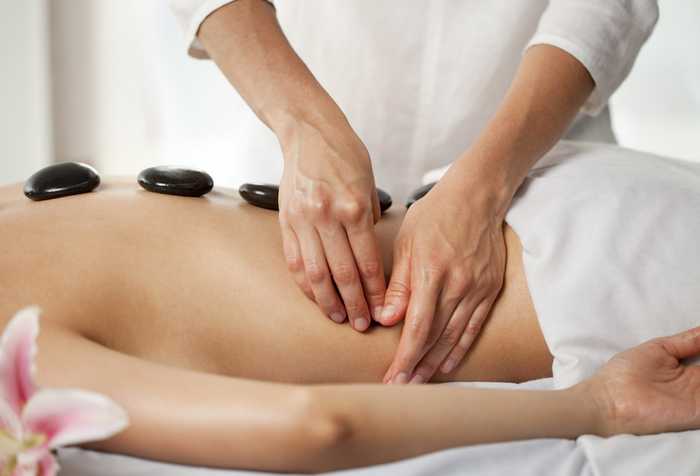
[(108, 82)]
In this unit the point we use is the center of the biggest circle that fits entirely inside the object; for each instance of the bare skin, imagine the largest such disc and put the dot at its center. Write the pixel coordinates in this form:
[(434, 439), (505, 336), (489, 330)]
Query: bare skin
[(202, 284), (148, 297), (449, 258)]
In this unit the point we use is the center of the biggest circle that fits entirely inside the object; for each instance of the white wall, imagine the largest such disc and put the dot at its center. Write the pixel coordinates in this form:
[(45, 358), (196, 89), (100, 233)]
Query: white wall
[(25, 132), (658, 107), (130, 97)]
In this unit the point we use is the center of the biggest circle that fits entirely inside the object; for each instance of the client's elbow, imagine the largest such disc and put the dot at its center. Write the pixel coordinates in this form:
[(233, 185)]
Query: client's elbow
[(318, 433)]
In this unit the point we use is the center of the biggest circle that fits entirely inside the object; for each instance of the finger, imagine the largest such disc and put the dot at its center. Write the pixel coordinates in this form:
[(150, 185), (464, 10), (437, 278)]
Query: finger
[(294, 260), (345, 274), (317, 273), (418, 322), (399, 290), (683, 345), (447, 341), (365, 248), (376, 208), (468, 336)]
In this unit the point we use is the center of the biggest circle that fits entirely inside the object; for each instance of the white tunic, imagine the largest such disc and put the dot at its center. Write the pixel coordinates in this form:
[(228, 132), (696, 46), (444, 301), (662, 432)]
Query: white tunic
[(419, 79)]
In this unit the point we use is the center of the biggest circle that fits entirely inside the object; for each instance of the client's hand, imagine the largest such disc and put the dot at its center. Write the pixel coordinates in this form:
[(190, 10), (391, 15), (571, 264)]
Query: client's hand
[(449, 264), (648, 390), (327, 209)]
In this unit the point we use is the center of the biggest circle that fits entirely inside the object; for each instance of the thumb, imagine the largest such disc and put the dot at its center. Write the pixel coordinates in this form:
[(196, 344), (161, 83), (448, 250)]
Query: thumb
[(398, 292), (683, 345)]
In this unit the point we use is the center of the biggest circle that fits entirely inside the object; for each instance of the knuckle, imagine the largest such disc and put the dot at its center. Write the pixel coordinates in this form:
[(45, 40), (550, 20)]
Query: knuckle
[(450, 336), (294, 211), (369, 269), (427, 368), (326, 304), (375, 296), (461, 279), (474, 327), (398, 290), (417, 328), (431, 273), (432, 340), (402, 247), (355, 307), (406, 360), (344, 274), (294, 262), (351, 210), (315, 272), (317, 204)]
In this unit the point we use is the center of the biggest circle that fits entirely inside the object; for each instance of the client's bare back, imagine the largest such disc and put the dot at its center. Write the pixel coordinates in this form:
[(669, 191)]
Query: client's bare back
[(201, 283)]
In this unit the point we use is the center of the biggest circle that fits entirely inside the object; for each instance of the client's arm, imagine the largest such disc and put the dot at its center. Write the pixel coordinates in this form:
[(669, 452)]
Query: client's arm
[(195, 418)]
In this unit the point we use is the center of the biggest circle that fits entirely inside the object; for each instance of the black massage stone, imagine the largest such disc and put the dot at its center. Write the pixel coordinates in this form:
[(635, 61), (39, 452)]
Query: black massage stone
[(260, 195), (265, 196), (176, 181), (61, 180), (384, 200), (418, 194)]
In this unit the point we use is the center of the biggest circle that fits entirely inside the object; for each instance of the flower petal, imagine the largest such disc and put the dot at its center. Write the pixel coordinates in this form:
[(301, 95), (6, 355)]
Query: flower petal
[(10, 424), (67, 416), (17, 351), (9, 447), (48, 466), (24, 469)]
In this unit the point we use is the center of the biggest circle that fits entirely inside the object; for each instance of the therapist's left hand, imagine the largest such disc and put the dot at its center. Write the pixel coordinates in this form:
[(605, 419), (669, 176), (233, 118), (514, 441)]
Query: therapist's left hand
[(449, 265)]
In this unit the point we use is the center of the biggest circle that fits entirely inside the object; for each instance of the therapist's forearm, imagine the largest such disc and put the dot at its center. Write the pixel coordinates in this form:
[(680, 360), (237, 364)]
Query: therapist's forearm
[(546, 94), (247, 43)]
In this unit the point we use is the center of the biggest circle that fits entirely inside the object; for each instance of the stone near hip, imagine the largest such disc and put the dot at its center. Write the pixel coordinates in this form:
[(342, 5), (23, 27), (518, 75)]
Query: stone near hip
[(418, 194), (265, 196)]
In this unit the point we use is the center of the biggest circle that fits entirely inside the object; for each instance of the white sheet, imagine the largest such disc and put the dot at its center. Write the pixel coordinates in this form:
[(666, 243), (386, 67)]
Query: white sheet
[(624, 455)]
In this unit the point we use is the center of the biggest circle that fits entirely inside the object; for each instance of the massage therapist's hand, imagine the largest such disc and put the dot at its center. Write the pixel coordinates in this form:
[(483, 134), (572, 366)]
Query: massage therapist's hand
[(448, 268), (647, 389), (328, 206)]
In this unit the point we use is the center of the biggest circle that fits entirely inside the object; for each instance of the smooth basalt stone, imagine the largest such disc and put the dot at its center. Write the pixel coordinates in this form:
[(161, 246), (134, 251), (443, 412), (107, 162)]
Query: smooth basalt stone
[(418, 194), (384, 200), (176, 181), (261, 195), (265, 196), (61, 180)]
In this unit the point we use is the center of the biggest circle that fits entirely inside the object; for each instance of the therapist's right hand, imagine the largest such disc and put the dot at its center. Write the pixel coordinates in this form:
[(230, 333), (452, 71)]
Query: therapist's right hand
[(328, 206)]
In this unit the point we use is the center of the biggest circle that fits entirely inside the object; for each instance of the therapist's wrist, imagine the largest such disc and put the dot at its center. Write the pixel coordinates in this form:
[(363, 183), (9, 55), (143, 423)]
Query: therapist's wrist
[(487, 186), (321, 115)]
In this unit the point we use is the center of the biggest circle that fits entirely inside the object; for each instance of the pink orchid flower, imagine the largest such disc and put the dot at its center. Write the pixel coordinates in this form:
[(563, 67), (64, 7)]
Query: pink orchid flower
[(34, 421)]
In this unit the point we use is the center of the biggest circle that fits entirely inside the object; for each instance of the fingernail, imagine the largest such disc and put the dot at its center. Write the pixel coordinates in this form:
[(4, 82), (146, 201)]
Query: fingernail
[(447, 366), (377, 312), (388, 311), (361, 324), (417, 379), (338, 317), (400, 378)]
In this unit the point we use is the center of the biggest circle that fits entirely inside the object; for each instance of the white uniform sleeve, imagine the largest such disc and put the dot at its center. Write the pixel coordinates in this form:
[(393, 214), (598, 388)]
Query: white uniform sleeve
[(190, 14), (604, 35)]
